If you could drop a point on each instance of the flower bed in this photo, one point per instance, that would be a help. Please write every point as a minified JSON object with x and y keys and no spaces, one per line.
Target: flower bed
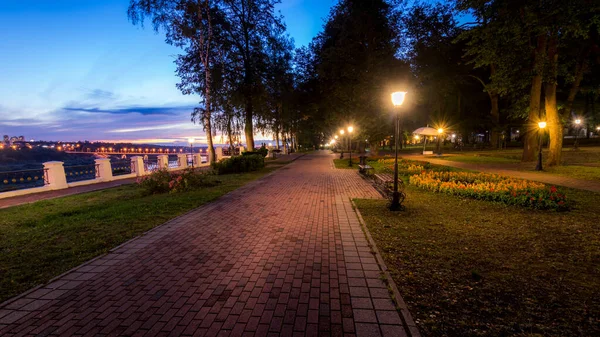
{"x":492,"y":187}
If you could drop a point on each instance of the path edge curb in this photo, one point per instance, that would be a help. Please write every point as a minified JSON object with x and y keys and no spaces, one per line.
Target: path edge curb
{"x":400,"y":304}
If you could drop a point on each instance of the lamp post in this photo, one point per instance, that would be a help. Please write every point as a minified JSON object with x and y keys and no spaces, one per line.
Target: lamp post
{"x":440,"y":132}
{"x":342,"y":140}
{"x":397,"y":100}
{"x":350,"y":130}
{"x":577,"y":125}
{"x":542,"y":126}
{"x":191,"y":141}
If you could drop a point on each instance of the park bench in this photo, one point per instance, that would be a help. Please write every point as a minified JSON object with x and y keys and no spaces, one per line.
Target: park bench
{"x":363,"y":167}
{"x":384,"y":182}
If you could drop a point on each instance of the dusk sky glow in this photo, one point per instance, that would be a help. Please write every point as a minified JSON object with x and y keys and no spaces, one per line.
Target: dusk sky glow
{"x":79,"y":70}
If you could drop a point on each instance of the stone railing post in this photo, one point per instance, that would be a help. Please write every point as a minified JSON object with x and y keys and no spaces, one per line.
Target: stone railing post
{"x":197,"y":158}
{"x":103,"y":169}
{"x":219,"y":153}
{"x":163,"y":161}
{"x":56,"y":179}
{"x":182,"y":160}
{"x":138,"y":165}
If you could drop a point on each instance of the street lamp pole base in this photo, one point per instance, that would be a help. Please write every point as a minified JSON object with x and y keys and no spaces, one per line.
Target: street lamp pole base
{"x":396,"y":205}
{"x":342,"y":155}
{"x":539,"y":167}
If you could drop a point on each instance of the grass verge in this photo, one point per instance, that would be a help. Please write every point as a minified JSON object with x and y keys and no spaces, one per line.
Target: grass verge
{"x":474,"y":268}
{"x":343,"y":163}
{"x":41,"y":240}
{"x":480,"y":159}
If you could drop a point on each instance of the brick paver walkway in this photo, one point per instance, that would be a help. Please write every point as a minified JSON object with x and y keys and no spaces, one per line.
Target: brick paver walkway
{"x":282,"y":256}
{"x":505,"y":170}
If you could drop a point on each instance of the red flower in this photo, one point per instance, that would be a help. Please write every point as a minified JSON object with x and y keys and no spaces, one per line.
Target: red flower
{"x":552,"y":189}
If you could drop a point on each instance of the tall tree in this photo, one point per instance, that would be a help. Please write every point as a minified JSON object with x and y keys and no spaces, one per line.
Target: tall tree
{"x":249,"y":26}
{"x":356,"y":67}
{"x":542,"y":28}
{"x":190,"y":25}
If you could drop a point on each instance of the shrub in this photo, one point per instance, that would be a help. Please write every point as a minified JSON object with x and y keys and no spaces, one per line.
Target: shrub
{"x":263,"y":151}
{"x":163,"y":181}
{"x":156,"y":182}
{"x":239,"y":164}
{"x":493,"y":187}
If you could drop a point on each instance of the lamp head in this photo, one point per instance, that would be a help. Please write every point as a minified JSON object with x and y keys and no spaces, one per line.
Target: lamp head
{"x":336,"y":136}
{"x":578,"y":121}
{"x":342,"y":131}
{"x":542,"y":125}
{"x":350,"y":129}
{"x":191,"y":140}
{"x":440,"y":131}
{"x":398,"y":98}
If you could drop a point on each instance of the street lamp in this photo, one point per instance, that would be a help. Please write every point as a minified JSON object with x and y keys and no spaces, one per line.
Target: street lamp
{"x":350,"y":130}
{"x":342,"y":145}
{"x":577,"y":125}
{"x":440,"y":131}
{"x":397,"y":100}
{"x":542,"y":126}
{"x":191,"y":141}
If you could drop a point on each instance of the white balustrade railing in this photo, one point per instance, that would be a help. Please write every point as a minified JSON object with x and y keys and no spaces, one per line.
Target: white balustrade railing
{"x":56,"y":176}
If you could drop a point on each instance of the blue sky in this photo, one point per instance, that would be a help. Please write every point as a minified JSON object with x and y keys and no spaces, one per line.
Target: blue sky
{"x":79,"y":70}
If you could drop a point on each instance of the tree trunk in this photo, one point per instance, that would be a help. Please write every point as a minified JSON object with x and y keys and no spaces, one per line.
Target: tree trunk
{"x":555,"y":127}
{"x":579,"y":71}
{"x":530,"y":143}
{"x":495,"y":136}
{"x":207,"y":118}
{"x":375,"y":148}
{"x":248,"y":129}
{"x":229,"y":134}
{"x":495,"y":112}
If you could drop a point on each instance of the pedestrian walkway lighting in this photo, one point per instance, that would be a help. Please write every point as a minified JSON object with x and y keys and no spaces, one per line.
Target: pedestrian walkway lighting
{"x":577,"y":126}
{"x":342,"y":145}
{"x":440,"y":132}
{"x":191,"y":141}
{"x":397,"y":100}
{"x":350,"y":130}
{"x":541,"y":126}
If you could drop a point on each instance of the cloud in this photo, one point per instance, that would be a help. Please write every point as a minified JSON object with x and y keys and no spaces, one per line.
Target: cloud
{"x":150,"y":128}
{"x":100,"y":94}
{"x":145,"y":111}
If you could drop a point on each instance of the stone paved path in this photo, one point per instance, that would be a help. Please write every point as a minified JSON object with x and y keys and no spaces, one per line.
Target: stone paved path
{"x":547,"y":178}
{"x":282,"y":256}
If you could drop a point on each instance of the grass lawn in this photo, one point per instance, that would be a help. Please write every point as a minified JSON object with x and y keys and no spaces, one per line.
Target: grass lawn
{"x":476,"y":268}
{"x":478,"y":159}
{"x":575,"y":171}
{"x":343,"y":163}
{"x":41,"y":240}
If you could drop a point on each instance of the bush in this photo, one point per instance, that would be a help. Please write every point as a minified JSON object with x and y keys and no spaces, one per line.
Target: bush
{"x":163,"y":181}
{"x":239,"y":164}
{"x":493,"y":187}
